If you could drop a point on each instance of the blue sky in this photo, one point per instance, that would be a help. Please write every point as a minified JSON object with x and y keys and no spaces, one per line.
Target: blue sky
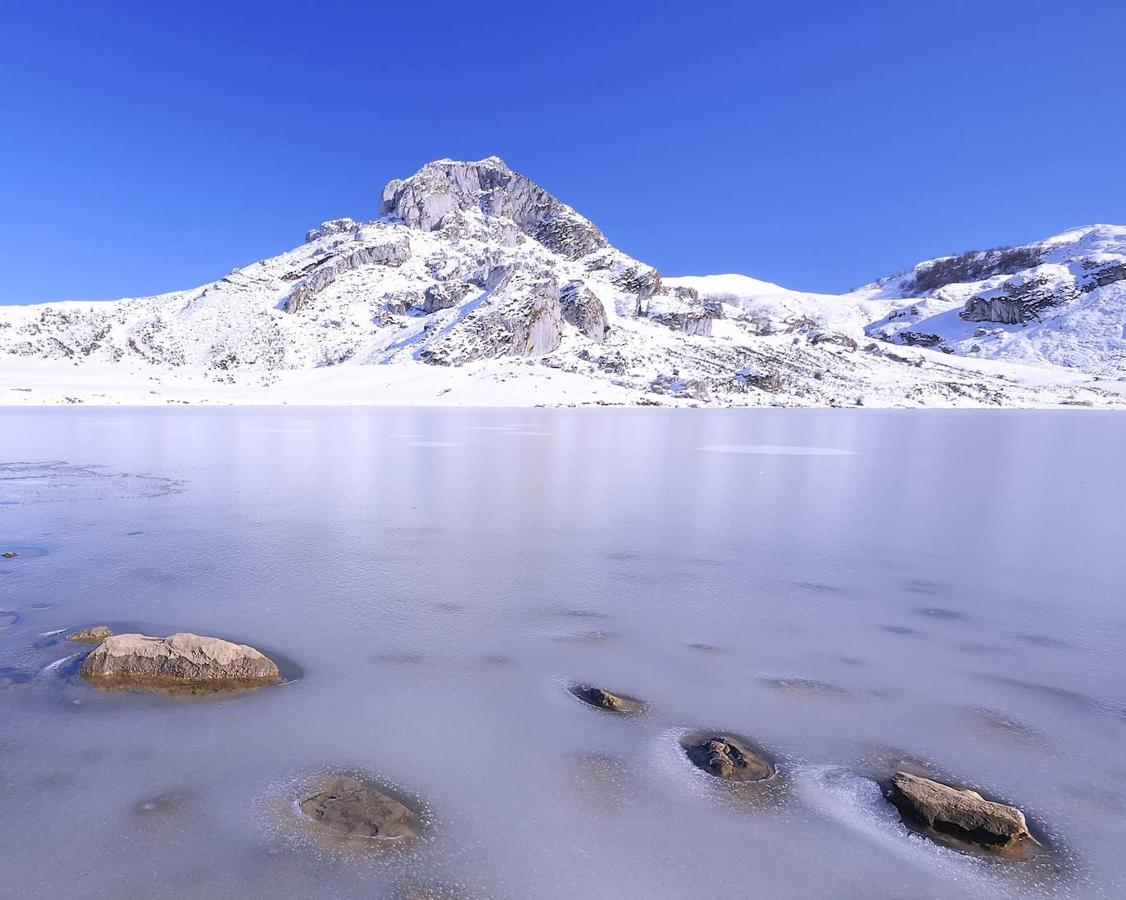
{"x":150,"y":147}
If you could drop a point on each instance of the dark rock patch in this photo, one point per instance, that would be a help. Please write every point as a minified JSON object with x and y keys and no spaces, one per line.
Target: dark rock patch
{"x":728,"y":757}
{"x":603,"y":699}
{"x":9,"y":554}
{"x":352,"y":813}
{"x":92,"y":635}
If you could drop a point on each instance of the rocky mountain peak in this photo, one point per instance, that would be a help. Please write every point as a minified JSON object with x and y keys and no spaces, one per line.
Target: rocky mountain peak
{"x":432,"y":198}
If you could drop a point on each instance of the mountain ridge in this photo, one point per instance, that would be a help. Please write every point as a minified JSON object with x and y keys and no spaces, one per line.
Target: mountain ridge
{"x":473,"y":267}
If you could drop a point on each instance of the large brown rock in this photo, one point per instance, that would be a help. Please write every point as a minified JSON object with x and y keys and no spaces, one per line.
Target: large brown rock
{"x":604,"y":699}
{"x":962,"y":814}
{"x":728,"y":757}
{"x":180,"y":661}
{"x":354,"y":812}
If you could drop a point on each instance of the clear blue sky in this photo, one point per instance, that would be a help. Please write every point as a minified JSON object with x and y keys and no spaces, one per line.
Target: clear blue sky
{"x":146,"y":147}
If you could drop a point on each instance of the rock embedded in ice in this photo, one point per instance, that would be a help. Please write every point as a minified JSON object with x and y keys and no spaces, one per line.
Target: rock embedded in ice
{"x":728,"y":757}
{"x":603,"y":699}
{"x":93,"y":635}
{"x":961,"y":814}
{"x":356,"y":813}
{"x":9,"y":554}
{"x":181,"y":661}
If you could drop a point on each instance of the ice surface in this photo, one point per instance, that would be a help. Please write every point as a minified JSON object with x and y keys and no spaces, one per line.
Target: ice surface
{"x":951,"y":591}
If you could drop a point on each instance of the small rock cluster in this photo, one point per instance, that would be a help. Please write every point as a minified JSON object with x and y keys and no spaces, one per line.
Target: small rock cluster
{"x":351,"y":813}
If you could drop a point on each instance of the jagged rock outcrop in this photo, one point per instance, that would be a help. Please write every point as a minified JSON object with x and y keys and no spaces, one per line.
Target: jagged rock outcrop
{"x":584,"y":310}
{"x":525,"y":319}
{"x":392,"y":253}
{"x":445,"y":295}
{"x":331,"y":227}
{"x":1003,"y":309}
{"x":427,"y":199}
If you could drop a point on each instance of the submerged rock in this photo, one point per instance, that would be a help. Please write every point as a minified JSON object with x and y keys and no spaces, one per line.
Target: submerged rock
{"x":179,"y":662}
{"x":961,"y":814}
{"x":728,"y":757}
{"x":353,"y":811}
{"x":603,"y":699}
{"x":93,"y":635}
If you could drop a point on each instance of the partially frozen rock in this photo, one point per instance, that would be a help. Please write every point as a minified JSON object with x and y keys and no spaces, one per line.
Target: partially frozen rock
{"x":959,"y":813}
{"x":182,"y":660}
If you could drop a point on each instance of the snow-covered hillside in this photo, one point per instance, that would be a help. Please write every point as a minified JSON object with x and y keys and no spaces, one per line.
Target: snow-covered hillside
{"x":475,"y":285}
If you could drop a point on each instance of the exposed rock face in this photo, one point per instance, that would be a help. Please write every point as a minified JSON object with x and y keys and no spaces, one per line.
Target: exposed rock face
{"x":973,"y":266}
{"x":1006,"y":310}
{"x":445,"y":295}
{"x":728,"y":757}
{"x":1022,"y":299}
{"x":526,"y":321}
{"x":331,"y":227}
{"x":93,"y":635}
{"x":391,"y":253}
{"x":965,"y":815}
{"x":603,"y":699}
{"x":357,"y":813}
{"x":427,"y":199}
{"x":584,"y":310}
{"x":185,"y":661}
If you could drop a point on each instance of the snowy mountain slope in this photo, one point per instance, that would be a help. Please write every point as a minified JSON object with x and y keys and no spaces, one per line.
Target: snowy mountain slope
{"x":1058,"y":302}
{"x":474,"y":284}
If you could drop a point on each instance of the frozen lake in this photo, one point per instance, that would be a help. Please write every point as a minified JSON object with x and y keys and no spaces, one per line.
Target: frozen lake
{"x":848,"y":588}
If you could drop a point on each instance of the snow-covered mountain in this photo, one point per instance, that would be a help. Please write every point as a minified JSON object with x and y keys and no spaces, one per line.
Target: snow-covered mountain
{"x":473,"y":284}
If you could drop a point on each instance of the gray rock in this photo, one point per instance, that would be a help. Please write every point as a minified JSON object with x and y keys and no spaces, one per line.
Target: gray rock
{"x":965,"y":815}
{"x":445,"y":295}
{"x":390,"y":253}
{"x":1005,"y":310}
{"x":428,"y":198}
{"x":584,"y":310}
{"x":180,"y":661}
{"x":331,"y":227}
{"x":526,"y":320}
